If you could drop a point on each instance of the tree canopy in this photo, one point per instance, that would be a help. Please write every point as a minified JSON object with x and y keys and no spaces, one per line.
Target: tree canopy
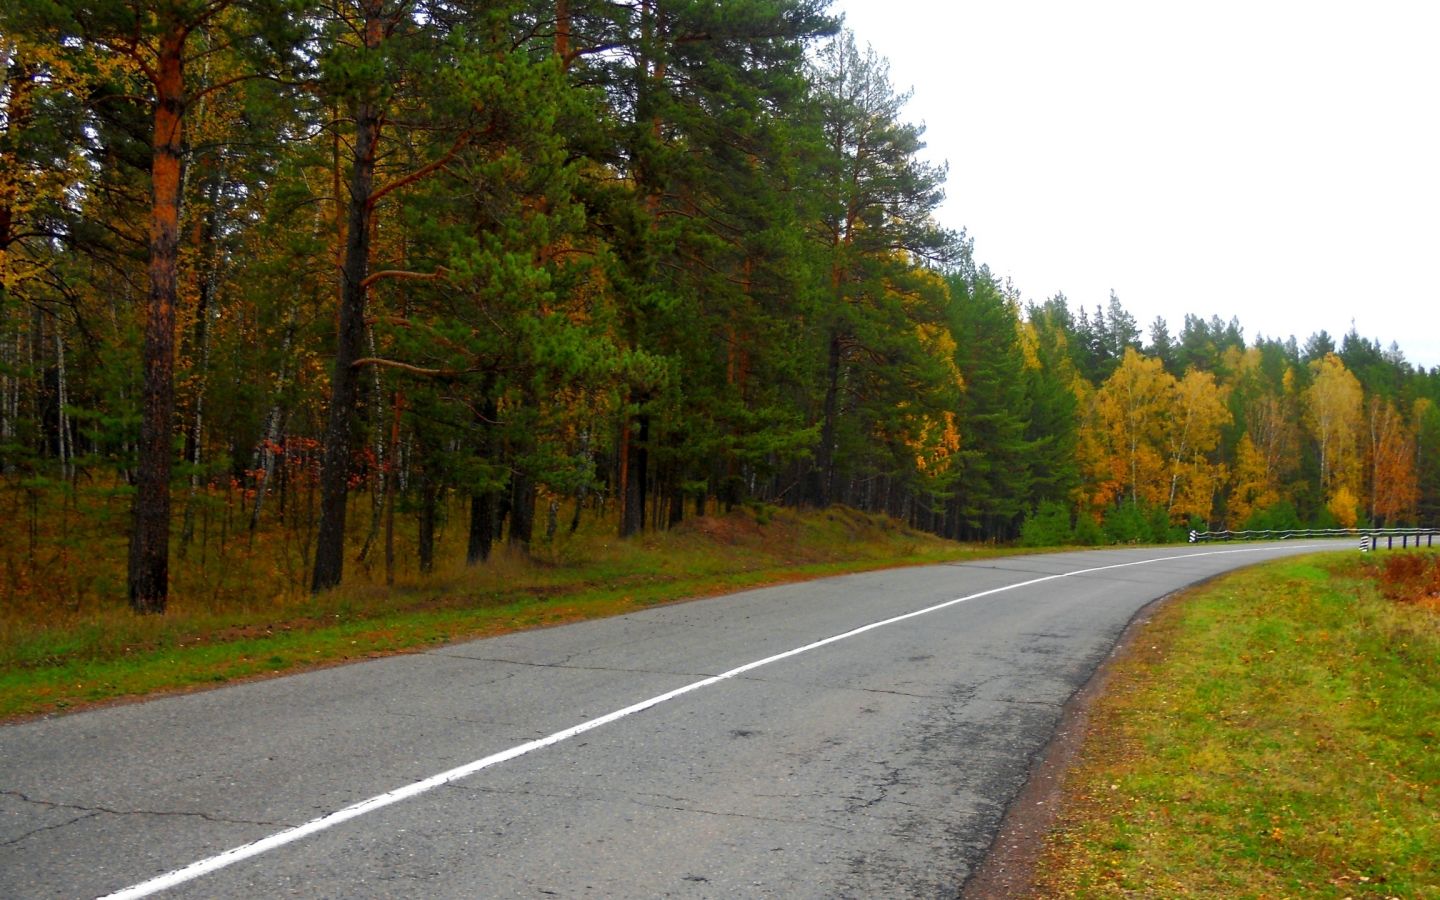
{"x":375,"y":259}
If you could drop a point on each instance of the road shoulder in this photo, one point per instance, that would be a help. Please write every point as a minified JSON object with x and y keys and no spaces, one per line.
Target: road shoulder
{"x":1008,"y":869}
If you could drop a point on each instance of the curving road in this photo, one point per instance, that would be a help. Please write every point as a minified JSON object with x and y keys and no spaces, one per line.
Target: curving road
{"x":857,"y":736}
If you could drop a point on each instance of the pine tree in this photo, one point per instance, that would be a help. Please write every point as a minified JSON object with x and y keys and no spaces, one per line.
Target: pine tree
{"x":876,"y":227}
{"x":155,"y":44}
{"x":1162,"y":346}
{"x":993,"y":482}
{"x":1053,"y":399}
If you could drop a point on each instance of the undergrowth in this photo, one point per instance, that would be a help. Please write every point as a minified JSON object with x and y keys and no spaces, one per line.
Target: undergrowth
{"x":238,"y":607}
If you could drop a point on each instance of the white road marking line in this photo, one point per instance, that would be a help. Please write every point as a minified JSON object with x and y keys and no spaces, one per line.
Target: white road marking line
{"x":380,"y":801}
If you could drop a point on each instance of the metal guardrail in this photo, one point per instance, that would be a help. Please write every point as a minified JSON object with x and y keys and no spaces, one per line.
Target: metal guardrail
{"x":1272,"y":534}
{"x":1370,"y":538}
{"x":1409,"y":537}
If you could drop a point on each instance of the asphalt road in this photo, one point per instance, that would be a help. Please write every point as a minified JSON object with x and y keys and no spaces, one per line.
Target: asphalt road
{"x":877,"y":764}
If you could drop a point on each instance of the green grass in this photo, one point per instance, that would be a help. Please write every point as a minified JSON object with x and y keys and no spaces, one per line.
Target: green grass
{"x":1271,"y":735}
{"x":56,"y":656}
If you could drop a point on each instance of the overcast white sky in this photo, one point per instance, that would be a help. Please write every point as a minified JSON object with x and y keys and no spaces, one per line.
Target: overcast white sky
{"x":1275,"y":161}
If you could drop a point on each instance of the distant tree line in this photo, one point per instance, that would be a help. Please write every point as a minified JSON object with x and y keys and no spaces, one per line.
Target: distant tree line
{"x":546,"y":257}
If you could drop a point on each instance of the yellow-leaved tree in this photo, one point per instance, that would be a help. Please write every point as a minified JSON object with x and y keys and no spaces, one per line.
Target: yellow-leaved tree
{"x":1334,"y":417}
{"x":1344,"y":507}
{"x":1129,"y":429}
{"x":1195,"y":421}
{"x":1268,"y":451}
{"x":932,"y":434}
{"x":1252,"y":488}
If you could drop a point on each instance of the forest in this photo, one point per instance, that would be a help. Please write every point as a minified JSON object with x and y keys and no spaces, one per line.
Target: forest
{"x":353,"y":274}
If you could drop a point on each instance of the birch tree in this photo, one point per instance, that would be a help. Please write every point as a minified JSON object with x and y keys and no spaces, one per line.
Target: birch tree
{"x":1334,"y":416}
{"x":1195,"y":423}
{"x":1131,"y":423}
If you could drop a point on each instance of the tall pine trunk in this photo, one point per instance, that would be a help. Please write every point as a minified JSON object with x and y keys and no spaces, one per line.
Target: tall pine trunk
{"x":483,"y":504}
{"x":482,"y":528}
{"x":522,"y":509}
{"x":635,"y":467}
{"x":676,"y":512}
{"x":823,"y":491}
{"x":149,"y":575}
{"x":350,"y":337}
{"x":429,"y":514}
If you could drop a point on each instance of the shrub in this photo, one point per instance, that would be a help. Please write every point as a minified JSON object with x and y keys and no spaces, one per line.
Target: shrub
{"x":1161,"y":531}
{"x":1126,"y":524}
{"x":1047,"y":526}
{"x":1087,"y":530}
{"x":1411,"y":577}
{"x":1280,"y":517}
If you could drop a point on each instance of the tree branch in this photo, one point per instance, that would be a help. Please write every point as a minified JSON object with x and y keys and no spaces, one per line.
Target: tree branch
{"x":579,"y":52}
{"x":423,"y":171}
{"x":440,"y":272}
{"x":132,"y":52}
{"x":407,"y":367}
{"x":222,"y":85}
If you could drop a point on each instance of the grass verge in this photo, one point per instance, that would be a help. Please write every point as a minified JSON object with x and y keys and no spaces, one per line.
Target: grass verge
{"x":1273,"y":734}
{"x":55,"y":659}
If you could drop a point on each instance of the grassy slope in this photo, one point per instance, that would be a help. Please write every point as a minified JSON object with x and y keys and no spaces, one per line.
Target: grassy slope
{"x":1271,"y":735}
{"x":56,"y":657}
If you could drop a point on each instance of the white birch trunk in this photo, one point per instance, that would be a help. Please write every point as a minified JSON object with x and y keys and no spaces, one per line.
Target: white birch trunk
{"x":62,"y":399}
{"x":274,"y":425}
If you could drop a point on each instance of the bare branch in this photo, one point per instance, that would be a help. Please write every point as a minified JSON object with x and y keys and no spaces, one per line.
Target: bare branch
{"x":407,"y":367}
{"x":440,"y":272}
{"x":423,"y":171}
{"x":222,"y":85}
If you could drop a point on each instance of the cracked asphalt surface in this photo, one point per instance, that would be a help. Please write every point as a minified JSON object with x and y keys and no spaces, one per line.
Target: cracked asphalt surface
{"x":878,"y":765}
